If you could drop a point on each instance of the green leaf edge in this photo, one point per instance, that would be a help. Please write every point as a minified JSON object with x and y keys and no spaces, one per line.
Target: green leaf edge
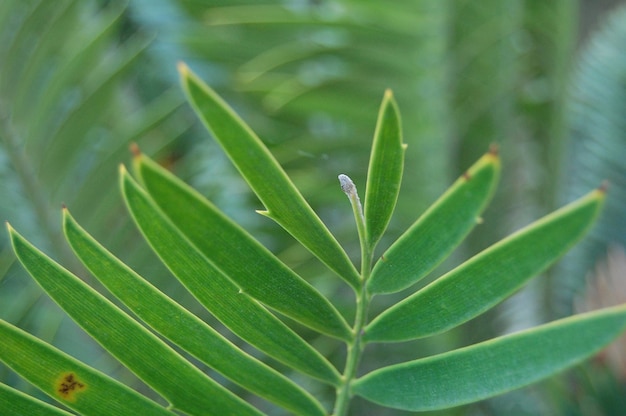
{"x":183,"y":328}
{"x":384,"y":173}
{"x":468,"y":379}
{"x":16,"y":402}
{"x":252,"y":324}
{"x":276,"y":286}
{"x":284,"y":203}
{"x":423,"y":240}
{"x":127,"y":340}
{"x":44,"y":366}
{"x":414,"y":316}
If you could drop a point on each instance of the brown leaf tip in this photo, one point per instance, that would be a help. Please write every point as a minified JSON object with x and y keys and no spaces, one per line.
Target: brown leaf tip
{"x":466,"y":175}
{"x":604,"y":187}
{"x":494,"y":149}
{"x":134,"y":149}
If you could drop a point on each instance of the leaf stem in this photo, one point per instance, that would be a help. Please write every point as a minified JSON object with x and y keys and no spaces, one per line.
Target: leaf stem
{"x":347,"y":186}
{"x":355,"y":346}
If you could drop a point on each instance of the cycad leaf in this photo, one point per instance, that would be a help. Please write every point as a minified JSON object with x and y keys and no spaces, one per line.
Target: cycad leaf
{"x":385,"y":170}
{"x":489,"y":277}
{"x":185,"y":329}
{"x":283,"y":201}
{"x":226,"y":301}
{"x":493,"y":367}
{"x":232,"y":250}
{"x":142,"y":352}
{"x":439,"y":230}
{"x":60,"y":144}
{"x":14,"y":402}
{"x":67,"y":380}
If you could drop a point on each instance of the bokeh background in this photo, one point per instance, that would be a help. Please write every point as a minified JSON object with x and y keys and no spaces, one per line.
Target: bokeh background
{"x":545,"y":80}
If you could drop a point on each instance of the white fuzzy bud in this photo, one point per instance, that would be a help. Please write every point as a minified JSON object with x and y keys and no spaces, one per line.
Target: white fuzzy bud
{"x":347,"y":185}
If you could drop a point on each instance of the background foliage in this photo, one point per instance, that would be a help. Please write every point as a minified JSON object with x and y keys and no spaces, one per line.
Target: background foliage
{"x":79,"y":81}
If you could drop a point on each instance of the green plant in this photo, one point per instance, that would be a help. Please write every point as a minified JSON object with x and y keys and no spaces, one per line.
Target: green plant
{"x":596,"y":127}
{"x":69,"y":107}
{"x":239,"y":282}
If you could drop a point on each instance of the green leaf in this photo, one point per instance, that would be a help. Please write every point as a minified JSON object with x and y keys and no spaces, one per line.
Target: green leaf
{"x":439,"y":230}
{"x":283,"y":201}
{"x":67,"y":380}
{"x":237,"y":254}
{"x":487,"y":278}
{"x":147,"y":356}
{"x":223,"y":298}
{"x":385,"y":170}
{"x":14,"y":402}
{"x":492,"y":367}
{"x":183,"y":328}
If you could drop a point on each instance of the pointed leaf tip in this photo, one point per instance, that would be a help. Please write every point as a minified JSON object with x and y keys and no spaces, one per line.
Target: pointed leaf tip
{"x":486,"y":279}
{"x":183,"y":69}
{"x":385,"y":170}
{"x":438,"y":230}
{"x":266,"y":177}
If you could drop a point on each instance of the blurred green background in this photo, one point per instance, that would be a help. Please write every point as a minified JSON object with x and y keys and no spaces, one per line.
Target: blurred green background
{"x":545,"y":80}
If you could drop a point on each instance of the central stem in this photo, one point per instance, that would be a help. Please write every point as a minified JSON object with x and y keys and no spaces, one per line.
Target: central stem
{"x":355,"y":347}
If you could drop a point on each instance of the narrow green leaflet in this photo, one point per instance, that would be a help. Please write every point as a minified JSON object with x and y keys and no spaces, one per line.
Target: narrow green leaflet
{"x":14,"y":402}
{"x":183,"y":328}
{"x":237,"y":254}
{"x":225,"y":300}
{"x":67,"y":380}
{"x":147,"y":356}
{"x":283,"y":201}
{"x":492,"y":367}
{"x":385,"y":170}
{"x":439,"y":230}
{"x":489,"y":277}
